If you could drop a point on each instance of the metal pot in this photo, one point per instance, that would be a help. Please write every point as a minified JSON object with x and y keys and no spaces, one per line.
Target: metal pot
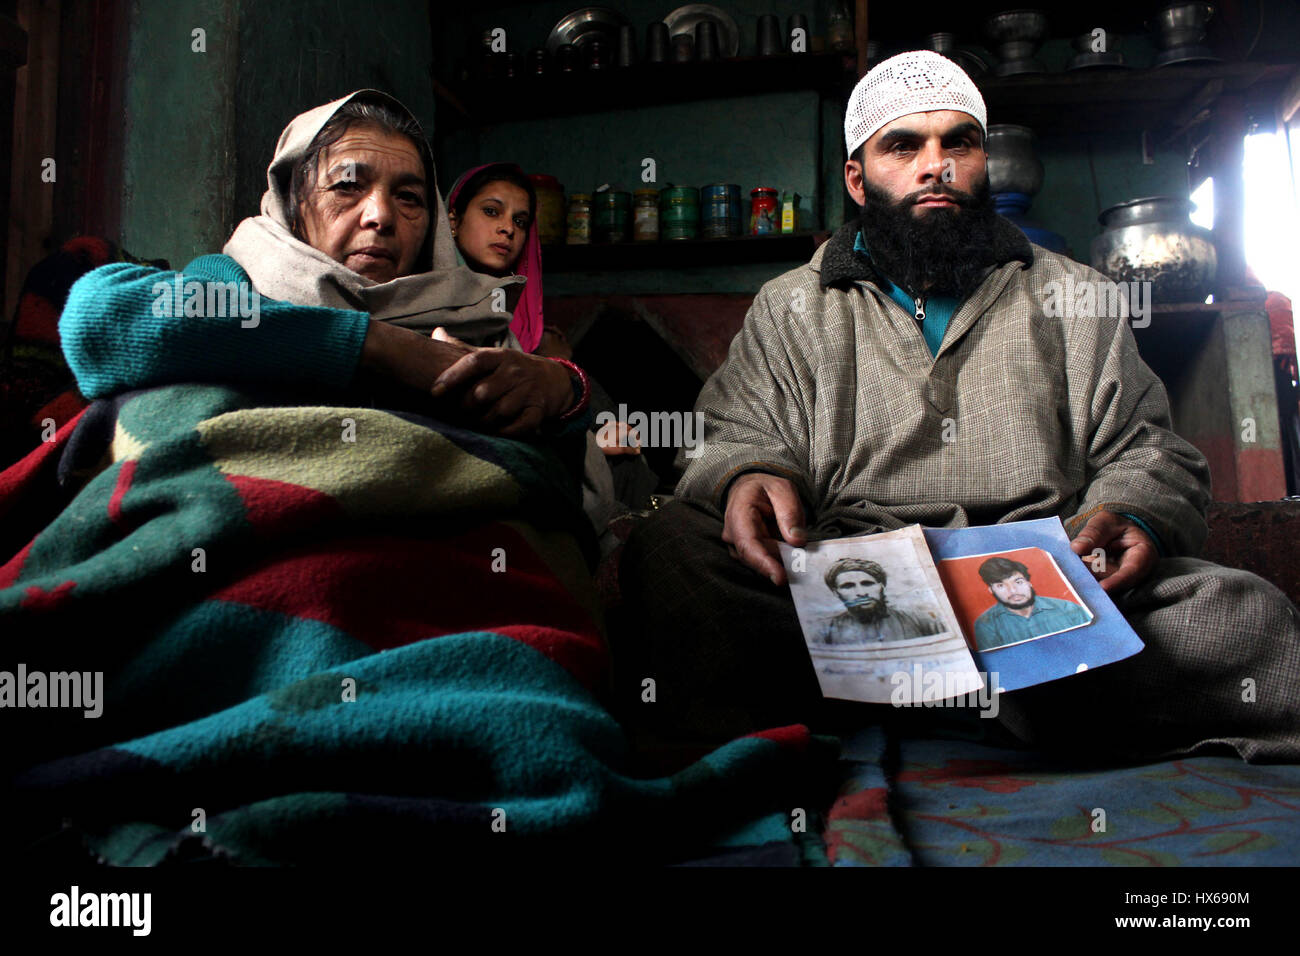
{"x":943,"y":43}
{"x":1152,"y":239}
{"x":1014,"y":167}
{"x":1181,"y":24}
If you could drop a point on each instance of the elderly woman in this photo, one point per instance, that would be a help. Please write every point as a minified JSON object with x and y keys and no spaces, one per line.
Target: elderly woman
{"x":300,"y":617}
{"x":356,"y":272}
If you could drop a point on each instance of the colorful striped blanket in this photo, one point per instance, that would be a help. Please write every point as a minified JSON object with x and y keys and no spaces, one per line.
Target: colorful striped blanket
{"x":324,"y":631}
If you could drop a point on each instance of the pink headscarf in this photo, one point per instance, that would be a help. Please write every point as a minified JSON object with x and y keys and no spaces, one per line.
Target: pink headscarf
{"x":527,"y":322}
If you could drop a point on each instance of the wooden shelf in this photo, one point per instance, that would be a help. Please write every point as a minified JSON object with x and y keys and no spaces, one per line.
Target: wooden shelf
{"x":680,"y":253}
{"x":648,"y":84}
{"x":1246,"y":303}
{"x":1160,"y":100}
{"x":1178,"y":329}
{"x":899,"y":23}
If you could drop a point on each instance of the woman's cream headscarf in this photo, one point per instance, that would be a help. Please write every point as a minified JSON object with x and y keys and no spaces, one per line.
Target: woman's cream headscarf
{"x":441,"y":293}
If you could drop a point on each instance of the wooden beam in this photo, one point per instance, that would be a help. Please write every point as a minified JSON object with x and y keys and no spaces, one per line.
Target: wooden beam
{"x":13,"y":43}
{"x":450,"y":98}
{"x":1290,"y":102}
{"x":1196,"y":110}
{"x":1230,"y":191}
{"x":13,"y":53}
{"x":860,"y":34}
{"x":31,"y":210}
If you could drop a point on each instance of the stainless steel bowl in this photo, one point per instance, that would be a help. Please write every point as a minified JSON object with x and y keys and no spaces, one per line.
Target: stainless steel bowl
{"x":1017,"y":25}
{"x":1181,"y":24}
{"x":1082,"y":42}
{"x":1017,"y":35}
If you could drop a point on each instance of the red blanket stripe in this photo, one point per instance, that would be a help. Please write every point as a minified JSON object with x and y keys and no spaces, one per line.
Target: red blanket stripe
{"x":384,"y":590}
{"x":123,"y":485}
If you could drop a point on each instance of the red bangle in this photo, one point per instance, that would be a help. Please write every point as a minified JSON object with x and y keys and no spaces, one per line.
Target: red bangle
{"x":584,"y":399}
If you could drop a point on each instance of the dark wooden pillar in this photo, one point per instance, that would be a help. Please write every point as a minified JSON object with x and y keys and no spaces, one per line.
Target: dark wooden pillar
{"x":13,"y":54}
{"x":860,"y":34}
{"x":1230,"y":193}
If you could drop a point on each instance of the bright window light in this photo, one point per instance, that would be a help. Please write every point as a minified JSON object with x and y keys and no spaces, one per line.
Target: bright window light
{"x":1203,"y":203}
{"x":1272,"y":237}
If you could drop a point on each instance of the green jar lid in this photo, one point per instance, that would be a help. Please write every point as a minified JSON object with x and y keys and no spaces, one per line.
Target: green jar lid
{"x":687,"y":195}
{"x":611,"y":198}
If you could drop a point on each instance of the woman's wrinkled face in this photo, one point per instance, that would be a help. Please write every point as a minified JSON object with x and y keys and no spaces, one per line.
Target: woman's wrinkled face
{"x":492,"y":233}
{"x":370,"y":208}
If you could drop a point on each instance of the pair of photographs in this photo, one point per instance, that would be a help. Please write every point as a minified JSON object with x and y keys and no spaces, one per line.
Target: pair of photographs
{"x":1011,"y":599}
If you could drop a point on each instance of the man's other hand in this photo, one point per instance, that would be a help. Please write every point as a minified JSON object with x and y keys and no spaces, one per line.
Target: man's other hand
{"x":759,"y":507}
{"x":1130,"y":552}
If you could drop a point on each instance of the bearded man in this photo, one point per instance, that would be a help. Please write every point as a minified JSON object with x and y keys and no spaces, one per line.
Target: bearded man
{"x":867,"y":617}
{"x":1020,"y":613}
{"x":909,"y":374}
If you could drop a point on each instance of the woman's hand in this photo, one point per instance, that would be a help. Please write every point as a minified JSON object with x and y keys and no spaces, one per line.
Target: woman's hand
{"x":507,"y":392}
{"x":500,"y":390}
{"x":408,"y":357}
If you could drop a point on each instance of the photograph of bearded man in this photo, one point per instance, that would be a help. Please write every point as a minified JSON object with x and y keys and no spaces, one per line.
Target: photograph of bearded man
{"x":867,"y":617}
{"x":1020,"y":614}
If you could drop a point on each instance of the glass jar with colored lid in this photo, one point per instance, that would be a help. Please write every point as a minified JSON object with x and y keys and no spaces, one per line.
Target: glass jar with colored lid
{"x":763,"y":215}
{"x":579,"y":221}
{"x":611,"y":217}
{"x":719,"y":210}
{"x":679,"y":212}
{"x":550,"y":208}
{"x":645,"y":216}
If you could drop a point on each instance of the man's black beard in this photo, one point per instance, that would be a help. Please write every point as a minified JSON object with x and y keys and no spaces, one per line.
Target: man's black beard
{"x":937,"y":251}
{"x":870,"y":613}
{"x":1033,"y":596}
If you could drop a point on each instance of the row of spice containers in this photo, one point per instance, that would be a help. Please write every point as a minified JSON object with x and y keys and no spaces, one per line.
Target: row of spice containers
{"x":607,"y":216}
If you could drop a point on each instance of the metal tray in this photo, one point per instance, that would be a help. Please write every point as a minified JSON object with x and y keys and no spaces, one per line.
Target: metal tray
{"x":683,"y":19}
{"x":581,"y":26}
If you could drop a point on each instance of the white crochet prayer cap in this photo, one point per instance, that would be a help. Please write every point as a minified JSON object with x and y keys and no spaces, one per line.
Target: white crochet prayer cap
{"x":914,"y":82}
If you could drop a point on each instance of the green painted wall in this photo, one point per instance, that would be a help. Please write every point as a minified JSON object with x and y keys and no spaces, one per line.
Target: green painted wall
{"x":691,"y":144}
{"x":178,"y":182}
{"x":293,"y":57}
{"x":200,"y":128}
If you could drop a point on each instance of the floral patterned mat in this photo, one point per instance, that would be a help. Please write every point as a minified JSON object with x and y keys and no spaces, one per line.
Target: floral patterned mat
{"x":954,"y":802}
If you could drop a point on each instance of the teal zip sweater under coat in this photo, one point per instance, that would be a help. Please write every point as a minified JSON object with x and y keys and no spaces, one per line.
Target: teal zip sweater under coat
{"x":939,"y":309}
